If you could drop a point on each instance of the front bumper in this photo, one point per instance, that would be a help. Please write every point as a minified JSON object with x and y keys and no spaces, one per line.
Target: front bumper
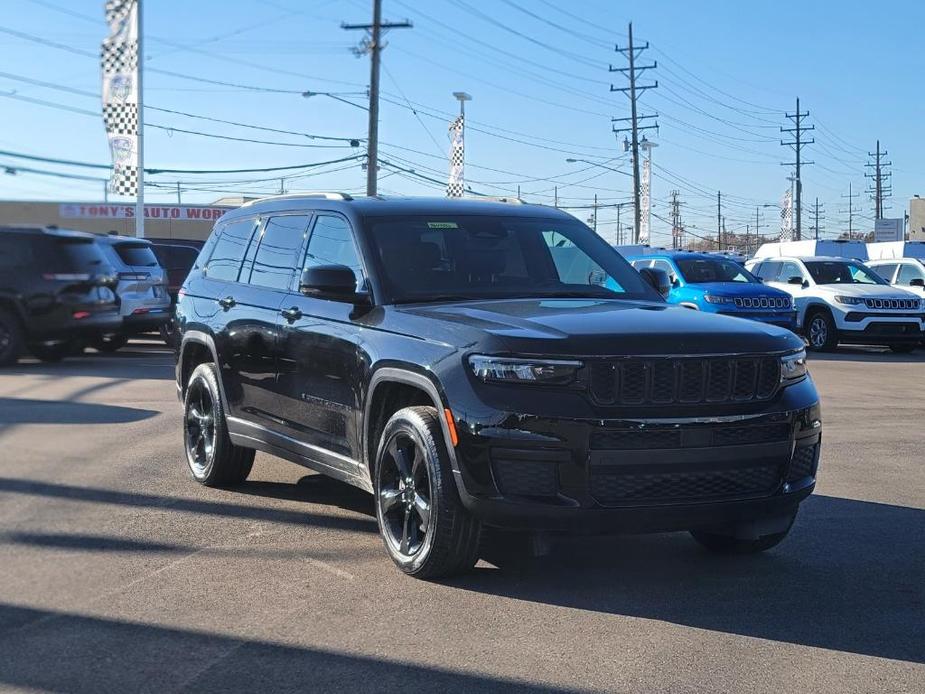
{"x":782,"y":319}
{"x":863,"y":326}
{"x":627,"y":474}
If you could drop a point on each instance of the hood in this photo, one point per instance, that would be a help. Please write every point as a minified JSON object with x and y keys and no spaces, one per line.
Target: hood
{"x":598,"y":327}
{"x":733,"y":289}
{"x":865,"y":291}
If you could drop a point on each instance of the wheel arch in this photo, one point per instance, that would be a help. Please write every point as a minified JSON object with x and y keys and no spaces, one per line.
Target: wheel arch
{"x":392,"y":388}
{"x":196,"y":348}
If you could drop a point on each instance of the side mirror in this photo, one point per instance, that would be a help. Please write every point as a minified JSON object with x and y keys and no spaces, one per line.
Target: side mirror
{"x":329,"y":282}
{"x":657,"y":279}
{"x":675,"y":282}
{"x":917,"y":282}
{"x":795,"y":280}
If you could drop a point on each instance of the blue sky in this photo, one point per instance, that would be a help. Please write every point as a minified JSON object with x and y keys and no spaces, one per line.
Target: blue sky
{"x":537,"y":71}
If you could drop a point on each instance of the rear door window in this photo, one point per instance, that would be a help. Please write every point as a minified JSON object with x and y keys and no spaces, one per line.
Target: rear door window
{"x":229,"y":249}
{"x":16,"y":252}
{"x":278,"y":252}
{"x":136,"y":254}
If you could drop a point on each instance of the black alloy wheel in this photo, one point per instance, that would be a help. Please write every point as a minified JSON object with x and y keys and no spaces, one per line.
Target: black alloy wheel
{"x":404,"y":494}
{"x":199,"y":428}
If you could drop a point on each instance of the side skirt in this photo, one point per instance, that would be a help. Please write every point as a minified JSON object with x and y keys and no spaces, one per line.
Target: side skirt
{"x":249,"y":435}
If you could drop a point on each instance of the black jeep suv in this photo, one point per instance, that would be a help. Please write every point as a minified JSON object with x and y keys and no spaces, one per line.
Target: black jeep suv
{"x":476,"y":363}
{"x":56,"y":291}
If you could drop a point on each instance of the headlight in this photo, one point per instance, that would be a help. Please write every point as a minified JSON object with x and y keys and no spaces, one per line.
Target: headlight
{"x":523,"y":370}
{"x":712,"y":299}
{"x":849,"y":300}
{"x":793,"y":367}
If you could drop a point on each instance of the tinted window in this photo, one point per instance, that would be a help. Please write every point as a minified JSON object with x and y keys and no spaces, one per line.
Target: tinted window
{"x":885,"y":271}
{"x":15,"y":251}
{"x":175,"y":257}
{"x":331,"y":243}
{"x":63,"y":255}
{"x":278,"y":252}
{"x":483,"y":256}
{"x":837,"y":272}
{"x":229,"y":250}
{"x":789,"y":271}
{"x":909,"y":272}
{"x":768,"y":271}
{"x":700,"y":270}
{"x":136,"y":254}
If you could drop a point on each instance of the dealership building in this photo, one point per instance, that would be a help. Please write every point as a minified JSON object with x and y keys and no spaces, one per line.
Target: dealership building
{"x":161,"y":221}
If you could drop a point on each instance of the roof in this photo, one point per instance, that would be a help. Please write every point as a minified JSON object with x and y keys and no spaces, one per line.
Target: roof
{"x":49,"y":230}
{"x":385,"y":206}
{"x":806,"y":259}
{"x":670,"y":253}
{"x":112,"y":239}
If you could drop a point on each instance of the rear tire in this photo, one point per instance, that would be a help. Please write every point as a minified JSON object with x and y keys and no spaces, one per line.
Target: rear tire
{"x":211,"y":457}
{"x":729,"y":544}
{"x":11,"y":338}
{"x":51,"y":354}
{"x":821,"y":332}
{"x":110,"y":343}
{"x":425,"y":528}
{"x":903,"y":348}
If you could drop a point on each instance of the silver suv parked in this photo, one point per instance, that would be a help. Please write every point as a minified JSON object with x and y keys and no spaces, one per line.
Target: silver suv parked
{"x":142,"y":289}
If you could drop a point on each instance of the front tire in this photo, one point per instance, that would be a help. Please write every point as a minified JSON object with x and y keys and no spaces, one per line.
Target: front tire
{"x":821,"y":332}
{"x":425,"y":528}
{"x":11,"y":338}
{"x":212,"y":459}
{"x":721,"y":543}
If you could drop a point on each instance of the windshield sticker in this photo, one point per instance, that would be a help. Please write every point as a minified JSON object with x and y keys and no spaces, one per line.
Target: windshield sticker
{"x":442,"y":225}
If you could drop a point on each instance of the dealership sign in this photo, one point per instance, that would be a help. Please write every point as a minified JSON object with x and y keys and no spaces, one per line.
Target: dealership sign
{"x":173,"y":213}
{"x":889,"y":230}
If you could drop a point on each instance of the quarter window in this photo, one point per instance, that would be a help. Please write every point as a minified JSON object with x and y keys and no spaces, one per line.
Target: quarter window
{"x":229,"y":250}
{"x":278,"y":253}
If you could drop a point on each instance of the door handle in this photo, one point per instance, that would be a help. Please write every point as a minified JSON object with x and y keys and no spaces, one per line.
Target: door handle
{"x":291,"y":314}
{"x":227,"y":302}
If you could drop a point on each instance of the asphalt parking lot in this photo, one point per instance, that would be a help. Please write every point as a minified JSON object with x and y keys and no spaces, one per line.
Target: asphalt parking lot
{"x":119,"y":573}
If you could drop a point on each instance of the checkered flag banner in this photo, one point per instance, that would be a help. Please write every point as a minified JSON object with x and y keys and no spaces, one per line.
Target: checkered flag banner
{"x":786,"y":217}
{"x":456,"y":184}
{"x":119,"y":66}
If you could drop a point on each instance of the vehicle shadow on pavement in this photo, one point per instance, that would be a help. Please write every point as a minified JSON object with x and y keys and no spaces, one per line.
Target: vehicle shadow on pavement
{"x":132,"y":365}
{"x":314,"y":489}
{"x":46,"y":650}
{"x":96,"y":495}
{"x":27,"y":411}
{"x":850,"y":577}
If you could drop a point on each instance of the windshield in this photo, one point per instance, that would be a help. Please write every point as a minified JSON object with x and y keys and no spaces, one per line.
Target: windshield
{"x":841,"y":272}
{"x":700,"y":270}
{"x":435,"y":258}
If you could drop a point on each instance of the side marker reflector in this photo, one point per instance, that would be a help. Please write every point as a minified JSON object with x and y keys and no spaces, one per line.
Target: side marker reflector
{"x":451,"y":425}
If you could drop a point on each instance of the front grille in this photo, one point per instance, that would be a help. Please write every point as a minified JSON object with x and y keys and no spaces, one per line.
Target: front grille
{"x":763,"y":302}
{"x":898,"y":304}
{"x":612,"y":489}
{"x":803,"y":463}
{"x":700,"y":436}
{"x":685,"y":380}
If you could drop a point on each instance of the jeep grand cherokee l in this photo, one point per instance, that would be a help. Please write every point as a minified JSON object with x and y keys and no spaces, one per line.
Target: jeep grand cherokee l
{"x":56,"y":291}
{"x":477,"y":364}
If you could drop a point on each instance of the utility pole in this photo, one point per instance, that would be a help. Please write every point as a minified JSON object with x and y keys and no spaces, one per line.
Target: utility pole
{"x":719,"y":220}
{"x":675,"y":220}
{"x":878,"y":190}
{"x":555,"y":196}
{"x":595,"y":213}
{"x":851,"y":196}
{"x":179,"y":201}
{"x":817,"y":210}
{"x":798,"y":144}
{"x":372,"y":44}
{"x":634,"y":90}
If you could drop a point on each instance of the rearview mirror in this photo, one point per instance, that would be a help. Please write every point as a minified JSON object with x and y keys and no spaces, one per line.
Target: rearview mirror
{"x":917,"y":282}
{"x":329,"y":282}
{"x":657,"y":279}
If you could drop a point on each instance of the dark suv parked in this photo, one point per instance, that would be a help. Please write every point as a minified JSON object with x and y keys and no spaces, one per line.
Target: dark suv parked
{"x":177,"y":257}
{"x":480,"y":364}
{"x":56,"y":290}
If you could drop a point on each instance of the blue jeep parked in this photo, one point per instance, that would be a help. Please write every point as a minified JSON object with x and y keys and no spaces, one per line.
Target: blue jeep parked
{"x":716,"y":284}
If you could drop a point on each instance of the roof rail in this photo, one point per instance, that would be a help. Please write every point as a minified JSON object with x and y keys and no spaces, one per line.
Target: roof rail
{"x":325,"y":195}
{"x":509,"y":201}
